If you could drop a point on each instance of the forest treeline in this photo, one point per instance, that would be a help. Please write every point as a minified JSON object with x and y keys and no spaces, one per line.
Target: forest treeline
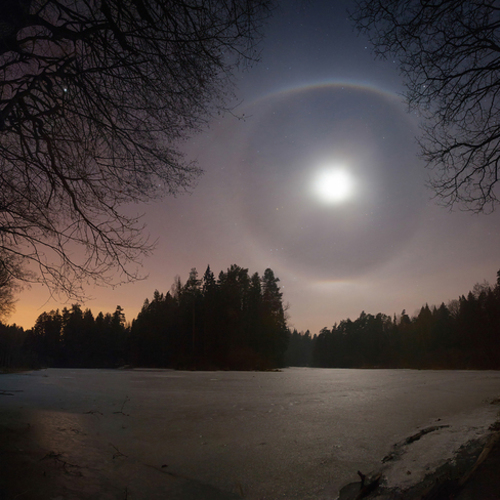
{"x":235,"y":321}
{"x":238,"y":321}
{"x":71,"y":338}
{"x":465,"y":334}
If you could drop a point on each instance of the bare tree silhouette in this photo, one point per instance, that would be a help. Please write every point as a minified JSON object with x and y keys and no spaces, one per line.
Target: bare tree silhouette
{"x":449,"y":55}
{"x":95,"y":97}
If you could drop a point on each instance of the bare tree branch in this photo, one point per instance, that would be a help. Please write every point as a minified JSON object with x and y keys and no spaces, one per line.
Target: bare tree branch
{"x":95,"y":98}
{"x":449,"y":56}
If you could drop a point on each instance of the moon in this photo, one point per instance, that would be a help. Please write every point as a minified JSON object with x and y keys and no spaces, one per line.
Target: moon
{"x":333,"y":185}
{"x":292,"y":207}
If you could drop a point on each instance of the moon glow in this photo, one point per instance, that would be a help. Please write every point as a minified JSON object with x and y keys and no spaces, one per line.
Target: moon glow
{"x":334,"y":185}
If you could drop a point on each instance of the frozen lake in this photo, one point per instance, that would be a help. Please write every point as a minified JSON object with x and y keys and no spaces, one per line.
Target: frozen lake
{"x":297,"y":434}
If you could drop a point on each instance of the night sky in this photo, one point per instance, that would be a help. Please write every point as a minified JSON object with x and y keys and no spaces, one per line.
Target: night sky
{"x":316,"y":175}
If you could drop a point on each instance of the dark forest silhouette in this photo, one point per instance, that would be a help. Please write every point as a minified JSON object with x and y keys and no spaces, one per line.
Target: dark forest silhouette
{"x":463,"y":335}
{"x":234,"y":322}
{"x":237,"y":321}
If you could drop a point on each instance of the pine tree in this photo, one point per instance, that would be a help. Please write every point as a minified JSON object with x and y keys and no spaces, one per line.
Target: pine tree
{"x":273,"y":319}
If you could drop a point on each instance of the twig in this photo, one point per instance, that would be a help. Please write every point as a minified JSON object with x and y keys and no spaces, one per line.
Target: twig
{"x":51,"y":454}
{"x":123,"y":405}
{"x":368,"y":484}
{"x":57,"y":458}
{"x":92,"y":412}
{"x":482,"y":457}
{"x":118,"y":452}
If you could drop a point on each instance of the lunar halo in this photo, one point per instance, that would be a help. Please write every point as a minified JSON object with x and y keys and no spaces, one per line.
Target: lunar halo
{"x":319,"y":172}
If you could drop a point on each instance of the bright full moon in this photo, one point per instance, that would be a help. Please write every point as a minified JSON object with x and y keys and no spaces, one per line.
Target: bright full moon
{"x":333,"y":185}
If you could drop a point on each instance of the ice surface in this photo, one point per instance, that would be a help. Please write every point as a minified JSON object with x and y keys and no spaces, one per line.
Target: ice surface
{"x":296,"y":434}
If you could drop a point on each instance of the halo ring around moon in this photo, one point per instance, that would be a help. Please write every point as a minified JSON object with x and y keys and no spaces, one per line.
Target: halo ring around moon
{"x":290,"y":133}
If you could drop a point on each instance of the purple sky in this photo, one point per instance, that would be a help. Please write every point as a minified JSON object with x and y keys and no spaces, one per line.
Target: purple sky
{"x":317,"y":102}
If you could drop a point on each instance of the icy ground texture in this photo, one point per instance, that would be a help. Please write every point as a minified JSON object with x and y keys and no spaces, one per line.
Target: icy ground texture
{"x":298,"y":434}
